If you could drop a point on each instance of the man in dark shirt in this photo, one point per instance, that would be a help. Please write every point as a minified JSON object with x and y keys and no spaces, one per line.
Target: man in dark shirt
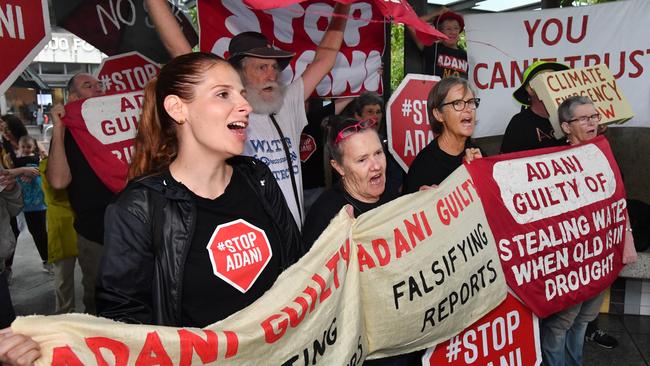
{"x":531,"y":128}
{"x":68,"y":169}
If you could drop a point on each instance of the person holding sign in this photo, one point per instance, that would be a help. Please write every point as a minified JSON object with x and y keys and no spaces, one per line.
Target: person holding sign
{"x":444,"y":58}
{"x":531,"y":128}
{"x":562,"y":334}
{"x":452,"y":113}
{"x":207,"y":207}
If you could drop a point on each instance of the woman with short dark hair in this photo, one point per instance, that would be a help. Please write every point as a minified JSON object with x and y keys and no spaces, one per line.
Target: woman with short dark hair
{"x":452,"y":113}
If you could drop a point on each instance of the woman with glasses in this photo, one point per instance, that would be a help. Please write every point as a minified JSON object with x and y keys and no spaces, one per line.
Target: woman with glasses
{"x":452,"y":113}
{"x":357,"y":155}
{"x":563,"y":333}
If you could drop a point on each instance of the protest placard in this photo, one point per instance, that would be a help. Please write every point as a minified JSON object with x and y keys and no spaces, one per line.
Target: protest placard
{"x":595,"y":82}
{"x":508,"y":335}
{"x":300,"y":27}
{"x":105,"y":128}
{"x":558,"y":219}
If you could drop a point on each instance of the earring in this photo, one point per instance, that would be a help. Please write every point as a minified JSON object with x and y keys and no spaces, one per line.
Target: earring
{"x":181,"y":121}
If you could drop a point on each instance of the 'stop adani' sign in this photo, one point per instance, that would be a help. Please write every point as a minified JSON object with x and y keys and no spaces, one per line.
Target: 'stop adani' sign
{"x":25,"y":30}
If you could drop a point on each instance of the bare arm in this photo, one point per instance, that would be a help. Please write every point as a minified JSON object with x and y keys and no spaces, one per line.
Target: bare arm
{"x":327,"y":50}
{"x":58,"y":170}
{"x":169,"y":30}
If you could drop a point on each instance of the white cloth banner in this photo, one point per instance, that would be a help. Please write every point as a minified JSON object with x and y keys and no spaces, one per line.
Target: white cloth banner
{"x":501,"y":46}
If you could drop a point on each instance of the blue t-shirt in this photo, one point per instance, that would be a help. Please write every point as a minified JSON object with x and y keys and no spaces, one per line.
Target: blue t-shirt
{"x":33,"y":197}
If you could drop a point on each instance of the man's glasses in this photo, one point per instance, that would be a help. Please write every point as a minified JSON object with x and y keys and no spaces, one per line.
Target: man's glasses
{"x":351,"y":130}
{"x":459,"y":105}
{"x":594,"y":118}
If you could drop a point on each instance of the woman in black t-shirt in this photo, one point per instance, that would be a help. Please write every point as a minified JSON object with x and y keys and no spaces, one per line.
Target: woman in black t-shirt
{"x":452,"y":114}
{"x":203,"y":232}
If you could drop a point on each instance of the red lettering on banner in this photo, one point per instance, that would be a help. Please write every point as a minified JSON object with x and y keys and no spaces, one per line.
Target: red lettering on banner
{"x":607,"y":113}
{"x":119,"y":350}
{"x":382,"y":252}
{"x":232,"y":343}
{"x":365,"y":259}
{"x":153,"y":352}
{"x":276,"y":325}
{"x":64,"y":356}
{"x":207,"y":349}
{"x":453,"y":204}
{"x":550,"y":36}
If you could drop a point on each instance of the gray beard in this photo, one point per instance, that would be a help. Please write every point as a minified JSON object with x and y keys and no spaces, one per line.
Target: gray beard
{"x":262,"y":106}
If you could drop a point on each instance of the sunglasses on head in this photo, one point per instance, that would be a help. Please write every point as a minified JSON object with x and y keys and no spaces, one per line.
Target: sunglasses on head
{"x":351,"y":130}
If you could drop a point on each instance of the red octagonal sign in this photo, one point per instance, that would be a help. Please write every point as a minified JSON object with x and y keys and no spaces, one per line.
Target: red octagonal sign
{"x":407,"y":120}
{"x":24,"y":31}
{"x":127,"y":72}
{"x":239,"y":252}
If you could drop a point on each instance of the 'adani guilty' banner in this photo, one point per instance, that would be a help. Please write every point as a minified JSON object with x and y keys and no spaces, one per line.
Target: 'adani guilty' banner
{"x":501,"y":46}
{"x":558,"y":219}
{"x":403,"y":277}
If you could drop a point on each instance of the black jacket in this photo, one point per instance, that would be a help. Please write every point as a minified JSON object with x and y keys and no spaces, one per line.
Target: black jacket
{"x":148,"y":233}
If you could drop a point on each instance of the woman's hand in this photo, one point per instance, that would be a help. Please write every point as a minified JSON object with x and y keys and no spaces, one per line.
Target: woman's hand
{"x":472,"y":153}
{"x":426,"y":188}
{"x":29,"y":172}
{"x":17,"y":349}
{"x":7,"y":180}
{"x":629,"y":251}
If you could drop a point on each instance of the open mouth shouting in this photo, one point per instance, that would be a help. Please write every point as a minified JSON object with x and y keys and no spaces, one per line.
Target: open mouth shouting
{"x":238,"y":128}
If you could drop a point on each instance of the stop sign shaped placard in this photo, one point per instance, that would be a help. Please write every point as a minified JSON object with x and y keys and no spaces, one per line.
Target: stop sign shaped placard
{"x":24,"y":31}
{"x":127,"y":72}
{"x":407,"y":120}
{"x":508,"y":335}
{"x":239,"y":252}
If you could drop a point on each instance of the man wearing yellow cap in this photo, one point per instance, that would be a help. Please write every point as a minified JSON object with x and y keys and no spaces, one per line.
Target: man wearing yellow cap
{"x":531,"y":128}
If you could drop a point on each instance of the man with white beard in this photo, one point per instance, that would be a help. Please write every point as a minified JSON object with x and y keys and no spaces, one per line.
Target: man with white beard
{"x":278,"y":117}
{"x":259,"y":65}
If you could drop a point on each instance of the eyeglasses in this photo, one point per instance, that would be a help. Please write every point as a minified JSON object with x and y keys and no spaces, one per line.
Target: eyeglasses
{"x":351,"y":130}
{"x":583,"y":120}
{"x":460,"y":104}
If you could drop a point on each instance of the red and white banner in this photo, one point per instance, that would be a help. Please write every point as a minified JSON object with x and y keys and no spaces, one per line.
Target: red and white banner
{"x":407,"y":120}
{"x":300,"y":28}
{"x":127,"y":72}
{"x":508,"y":335}
{"x":558,"y":220}
{"x":502,"y":45}
{"x":24,"y":31}
{"x":105,"y":128}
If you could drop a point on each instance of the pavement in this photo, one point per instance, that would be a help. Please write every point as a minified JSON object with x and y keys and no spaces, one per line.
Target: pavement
{"x":32,"y":292}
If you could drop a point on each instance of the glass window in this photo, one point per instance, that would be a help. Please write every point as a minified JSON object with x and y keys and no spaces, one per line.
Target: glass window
{"x":52,"y":68}
{"x":72,"y":69}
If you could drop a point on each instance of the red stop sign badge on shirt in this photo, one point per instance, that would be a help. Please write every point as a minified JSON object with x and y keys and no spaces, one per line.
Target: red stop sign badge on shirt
{"x":239,"y":252}
{"x":307,"y":147}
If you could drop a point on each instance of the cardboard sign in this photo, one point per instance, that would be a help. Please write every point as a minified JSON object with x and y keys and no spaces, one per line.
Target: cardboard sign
{"x":300,"y":27}
{"x":399,"y":278}
{"x":407,"y":120}
{"x":558,"y":220}
{"x":105,"y":128}
{"x":595,"y":82}
{"x":24,"y":31}
{"x":508,"y":335}
{"x":239,"y":252}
